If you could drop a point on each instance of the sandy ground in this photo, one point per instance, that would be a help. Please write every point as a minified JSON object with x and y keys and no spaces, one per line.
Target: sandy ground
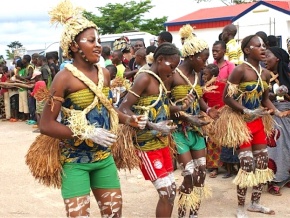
{"x":21,"y":196}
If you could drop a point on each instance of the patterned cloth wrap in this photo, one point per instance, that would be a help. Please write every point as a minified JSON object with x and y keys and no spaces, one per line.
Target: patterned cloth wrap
{"x":148,"y":140}
{"x":250,"y":96}
{"x":179,"y":92}
{"x":85,"y":151}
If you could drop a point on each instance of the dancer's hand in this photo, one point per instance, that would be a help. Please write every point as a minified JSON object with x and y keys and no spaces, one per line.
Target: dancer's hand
{"x":164,"y":127}
{"x":281,"y":113}
{"x":259,"y":112}
{"x":137,"y":121}
{"x":187,"y":102}
{"x":196,"y":120}
{"x":213,"y":112}
{"x":103,"y":137}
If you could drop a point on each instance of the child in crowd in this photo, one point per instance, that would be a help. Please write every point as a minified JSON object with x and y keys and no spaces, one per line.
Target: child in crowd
{"x":39,"y":103}
{"x":23,"y":100}
{"x":117,"y":58}
{"x":4,"y":92}
{"x":213,"y":98}
{"x":227,"y":155}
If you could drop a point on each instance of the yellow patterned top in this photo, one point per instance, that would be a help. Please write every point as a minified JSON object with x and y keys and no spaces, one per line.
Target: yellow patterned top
{"x":85,"y":151}
{"x":250,"y":93}
{"x":148,"y":140}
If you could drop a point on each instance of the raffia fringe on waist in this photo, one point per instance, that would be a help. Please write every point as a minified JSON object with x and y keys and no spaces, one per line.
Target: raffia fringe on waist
{"x":43,"y":160}
{"x":207,"y":130}
{"x":124,"y":151}
{"x":192,"y":200}
{"x":230,"y":129}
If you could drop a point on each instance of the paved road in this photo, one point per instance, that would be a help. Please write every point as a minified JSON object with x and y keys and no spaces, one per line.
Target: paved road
{"x":21,"y":196}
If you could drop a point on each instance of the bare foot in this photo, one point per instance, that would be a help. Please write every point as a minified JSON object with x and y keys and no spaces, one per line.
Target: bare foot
{"x":241,"y":213}
{"x":254,"y":207}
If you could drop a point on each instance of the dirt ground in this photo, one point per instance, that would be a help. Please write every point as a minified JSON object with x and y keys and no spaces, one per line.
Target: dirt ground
{"x":21,"y":196}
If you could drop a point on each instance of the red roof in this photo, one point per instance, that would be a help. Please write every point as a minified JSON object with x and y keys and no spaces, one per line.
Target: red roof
{"x":225,"y":12}
{"x":211,"y":13}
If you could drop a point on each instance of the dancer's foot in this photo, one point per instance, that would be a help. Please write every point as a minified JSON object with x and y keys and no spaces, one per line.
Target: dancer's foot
{"x":254,"y":207}
{"x":241,"y":212}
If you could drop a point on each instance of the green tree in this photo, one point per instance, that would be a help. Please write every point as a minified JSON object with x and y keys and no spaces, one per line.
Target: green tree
{"x":12,"y":47}
{"x":118,"y":18}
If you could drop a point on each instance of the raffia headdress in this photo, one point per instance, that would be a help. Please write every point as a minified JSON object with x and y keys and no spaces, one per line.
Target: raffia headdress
{"x":72,"y":20}
{"x":186,"y":32}
{"x":192,"y":45}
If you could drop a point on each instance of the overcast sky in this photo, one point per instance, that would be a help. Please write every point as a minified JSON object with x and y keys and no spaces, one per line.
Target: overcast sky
{"x":28,"y":21}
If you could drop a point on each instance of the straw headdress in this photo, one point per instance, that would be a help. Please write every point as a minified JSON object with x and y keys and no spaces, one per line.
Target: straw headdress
{"x":192,"y":46}
{"x":186,"y":32}
{"x":72,"y":20}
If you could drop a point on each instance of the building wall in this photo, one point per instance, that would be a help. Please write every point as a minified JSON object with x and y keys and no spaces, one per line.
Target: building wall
{"x":262,"y":18}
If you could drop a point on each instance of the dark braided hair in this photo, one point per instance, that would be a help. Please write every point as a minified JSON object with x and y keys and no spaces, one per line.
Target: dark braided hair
{"x":165,"y":49}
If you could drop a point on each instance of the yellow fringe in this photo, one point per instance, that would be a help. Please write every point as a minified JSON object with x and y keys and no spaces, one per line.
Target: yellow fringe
{"x":188,"y":201}
{"x":230,"y":129}
{"x":264,"y":176}
{"x":268,"y":123}
{"x":172,"y":145}
{"x":202,"y":192}
{"x":245,"y":179}
{"x":233,"y":89}
{"x":43,"y":160}
{"x":191,"y":201}
{"x":124,"y":151}
{"x":186,"y":31}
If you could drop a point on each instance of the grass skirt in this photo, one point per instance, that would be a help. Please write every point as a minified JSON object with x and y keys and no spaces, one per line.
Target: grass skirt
{"x":230,"y":130}
{"x":43,"y":160}
{"x":124,"y":151}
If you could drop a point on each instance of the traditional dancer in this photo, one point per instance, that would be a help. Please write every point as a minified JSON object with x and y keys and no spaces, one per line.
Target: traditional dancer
{"x":189,"y":137}
{"x":89,"y":121}
{"x":246,"y":123}
{"x":148,"y":95}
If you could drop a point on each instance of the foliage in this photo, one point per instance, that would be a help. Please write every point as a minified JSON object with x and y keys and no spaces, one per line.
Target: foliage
{"x":118,"y":18}
{"x":12,"y":47}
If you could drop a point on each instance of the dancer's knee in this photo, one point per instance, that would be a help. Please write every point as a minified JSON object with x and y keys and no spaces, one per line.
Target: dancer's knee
{"x":246,"y":161}
{"x":200,"y":170}
{"x":166,"y":188}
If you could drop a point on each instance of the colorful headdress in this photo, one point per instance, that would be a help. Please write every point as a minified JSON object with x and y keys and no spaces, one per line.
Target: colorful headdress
{"x":73,"y":21}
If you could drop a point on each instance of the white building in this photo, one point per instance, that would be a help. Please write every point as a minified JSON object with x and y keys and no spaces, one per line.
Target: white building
{"x":272,"y":17}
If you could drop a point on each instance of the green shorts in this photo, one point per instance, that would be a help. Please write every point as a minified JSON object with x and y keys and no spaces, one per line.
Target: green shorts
{"x":78,"y":178}
{"x":193,"y":142}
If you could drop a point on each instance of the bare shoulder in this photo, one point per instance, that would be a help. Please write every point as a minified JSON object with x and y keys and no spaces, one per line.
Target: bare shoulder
{"x":266,"y":75}
{"x":107,"y":76}
{"x":237,"y":75}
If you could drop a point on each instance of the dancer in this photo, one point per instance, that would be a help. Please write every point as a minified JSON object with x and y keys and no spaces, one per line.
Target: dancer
{"x":89,"y":121}
{"x":188,"y":137}
{"x":148,"y":95}
{"x":247,"y":95}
